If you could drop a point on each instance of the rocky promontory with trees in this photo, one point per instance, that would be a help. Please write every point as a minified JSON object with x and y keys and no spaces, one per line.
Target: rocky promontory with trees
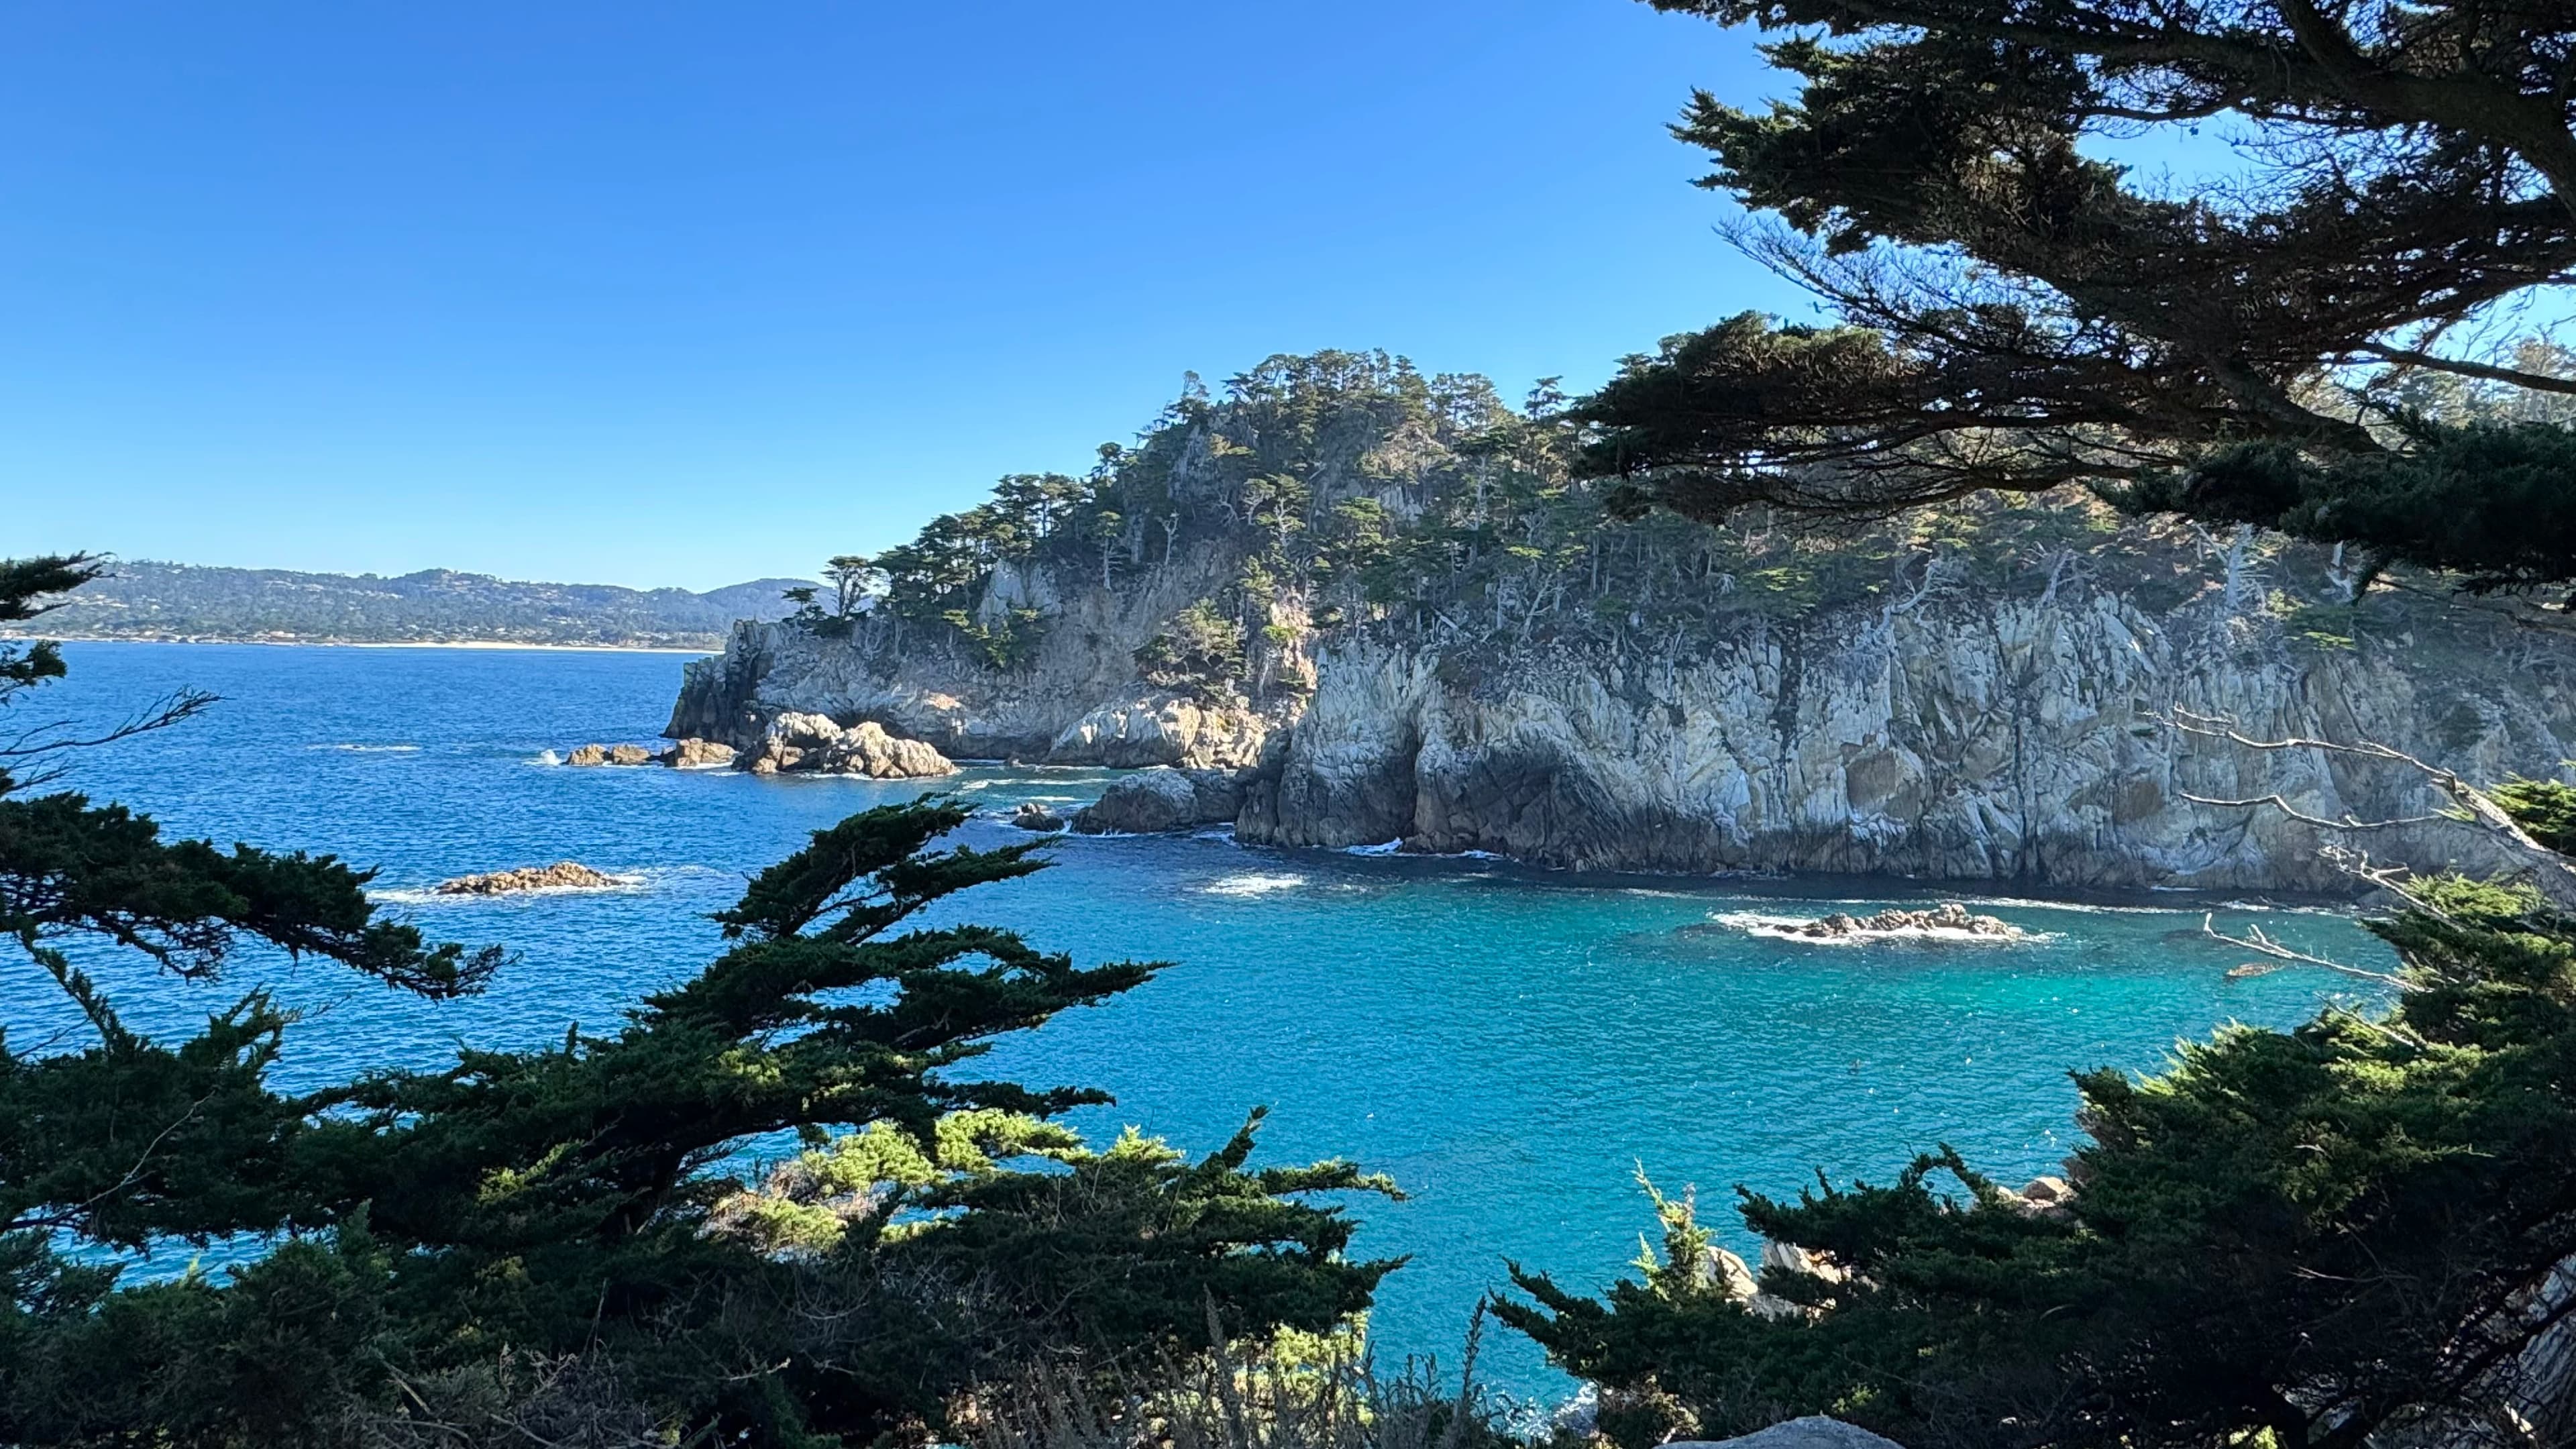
{"x":1393,"y":607}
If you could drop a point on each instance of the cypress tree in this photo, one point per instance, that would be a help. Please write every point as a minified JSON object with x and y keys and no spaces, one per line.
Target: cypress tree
{"x":525,"y":1237}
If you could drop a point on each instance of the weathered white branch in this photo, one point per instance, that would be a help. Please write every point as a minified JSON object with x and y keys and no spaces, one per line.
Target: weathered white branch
{"x":2319,"y":821}
{"x":2552,"y":874}
{"x":2254,"y":940}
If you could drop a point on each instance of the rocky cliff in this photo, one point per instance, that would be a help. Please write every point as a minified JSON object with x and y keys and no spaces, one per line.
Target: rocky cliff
{"x":1460,"y":658}
{"x":2010,"y":740}
{"x":1080,"y":701}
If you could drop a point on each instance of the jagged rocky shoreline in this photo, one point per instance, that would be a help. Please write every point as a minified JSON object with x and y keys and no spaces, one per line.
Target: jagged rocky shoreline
{"x":1417,"y":643}
{"x":2011,"y":740}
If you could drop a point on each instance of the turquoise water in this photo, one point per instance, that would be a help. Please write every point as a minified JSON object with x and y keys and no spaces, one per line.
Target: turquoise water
{"x":1512,"y":1046}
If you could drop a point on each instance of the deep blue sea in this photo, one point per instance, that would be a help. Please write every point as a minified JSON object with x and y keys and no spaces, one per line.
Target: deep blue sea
{"x":1513,"y":1046}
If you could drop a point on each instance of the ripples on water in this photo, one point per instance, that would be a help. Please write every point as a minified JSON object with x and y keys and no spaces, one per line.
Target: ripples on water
{"x":1511,"y":1045}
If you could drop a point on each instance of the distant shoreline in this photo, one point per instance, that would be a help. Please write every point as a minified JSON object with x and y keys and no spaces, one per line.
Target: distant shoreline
{"x":371,"y":643}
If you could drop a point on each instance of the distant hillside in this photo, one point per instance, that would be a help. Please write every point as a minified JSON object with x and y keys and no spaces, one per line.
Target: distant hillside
{"x":148,"y":600}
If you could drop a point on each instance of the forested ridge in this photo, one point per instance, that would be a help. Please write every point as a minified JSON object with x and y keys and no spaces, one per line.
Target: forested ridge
{"x":146,"y":599}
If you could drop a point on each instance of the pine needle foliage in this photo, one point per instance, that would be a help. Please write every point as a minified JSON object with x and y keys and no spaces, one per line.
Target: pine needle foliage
{"x":2011,"y":312}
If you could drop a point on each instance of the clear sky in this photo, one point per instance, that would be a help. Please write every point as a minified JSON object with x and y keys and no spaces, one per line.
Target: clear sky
{"x":687,"y":294}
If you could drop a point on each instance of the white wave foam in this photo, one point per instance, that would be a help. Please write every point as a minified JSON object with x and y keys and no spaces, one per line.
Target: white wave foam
{"x":2026,"y":903}
{"x":1252,"y":883}
{"x":1389,"y":848}
{"x":370,"y":749}
{"x":1793,"y":928}
{"x":547,"y":757}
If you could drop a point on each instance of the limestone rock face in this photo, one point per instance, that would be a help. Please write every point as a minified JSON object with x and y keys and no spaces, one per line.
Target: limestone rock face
{"x":813,"y":743}
{"x":1079,"y":701}
{"x":2013,"y":729}
{"x":560,"y":876}
{"x":2009,"y":740}
{"x":1155,"y":800}
{"x":1161,"y":730}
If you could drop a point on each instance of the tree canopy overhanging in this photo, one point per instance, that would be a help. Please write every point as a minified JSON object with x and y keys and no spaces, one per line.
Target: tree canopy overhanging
{"x":2015,"y":313}
{"x":2361,"y":1231}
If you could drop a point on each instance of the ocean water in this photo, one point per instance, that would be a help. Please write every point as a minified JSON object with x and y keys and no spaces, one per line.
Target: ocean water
{"x":1513,"y":1046}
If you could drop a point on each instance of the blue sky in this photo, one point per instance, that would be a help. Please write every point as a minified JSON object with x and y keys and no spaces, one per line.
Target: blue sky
{"x":661,"y":294}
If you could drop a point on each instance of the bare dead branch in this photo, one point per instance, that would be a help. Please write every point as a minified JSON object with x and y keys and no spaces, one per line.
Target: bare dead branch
{"x":2552,"y":874}
{"x":2277,"y":802}
{"x":56,"y":735}
{"x":2535,"y":381}
{"x":2254,"y":940}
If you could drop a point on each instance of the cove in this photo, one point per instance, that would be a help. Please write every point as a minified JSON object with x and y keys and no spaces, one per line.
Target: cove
{"x":1511,"y":1045}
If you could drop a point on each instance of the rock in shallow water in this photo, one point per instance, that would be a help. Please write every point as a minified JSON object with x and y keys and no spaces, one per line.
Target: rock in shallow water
{"x":813,"y":743}
{"x":588,"y":755}
{"x":563,"y":875}
{"x":1950,"y":918}
{"x":1034,"y":816}
{"x":1151,"y":801}
{"x":697,"y":754}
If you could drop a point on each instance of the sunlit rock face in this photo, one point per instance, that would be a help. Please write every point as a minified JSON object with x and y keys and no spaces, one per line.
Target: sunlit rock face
{"x":2011,"y":727}
{"x":2010,"y":740}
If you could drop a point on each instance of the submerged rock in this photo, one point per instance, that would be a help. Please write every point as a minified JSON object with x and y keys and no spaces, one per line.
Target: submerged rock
{"x":1034,"y":816}
{"x":697,"y":754}
{"x":1160,"y":799}
{"x":563,"y":875}
{"x":814,"y":744}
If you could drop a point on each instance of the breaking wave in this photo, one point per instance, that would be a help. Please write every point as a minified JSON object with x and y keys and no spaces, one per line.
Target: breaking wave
{"x":1252,"y":883}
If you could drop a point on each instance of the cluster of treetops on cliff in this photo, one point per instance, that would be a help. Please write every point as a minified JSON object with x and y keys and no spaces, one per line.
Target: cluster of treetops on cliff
{"x":1348,"y":490}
